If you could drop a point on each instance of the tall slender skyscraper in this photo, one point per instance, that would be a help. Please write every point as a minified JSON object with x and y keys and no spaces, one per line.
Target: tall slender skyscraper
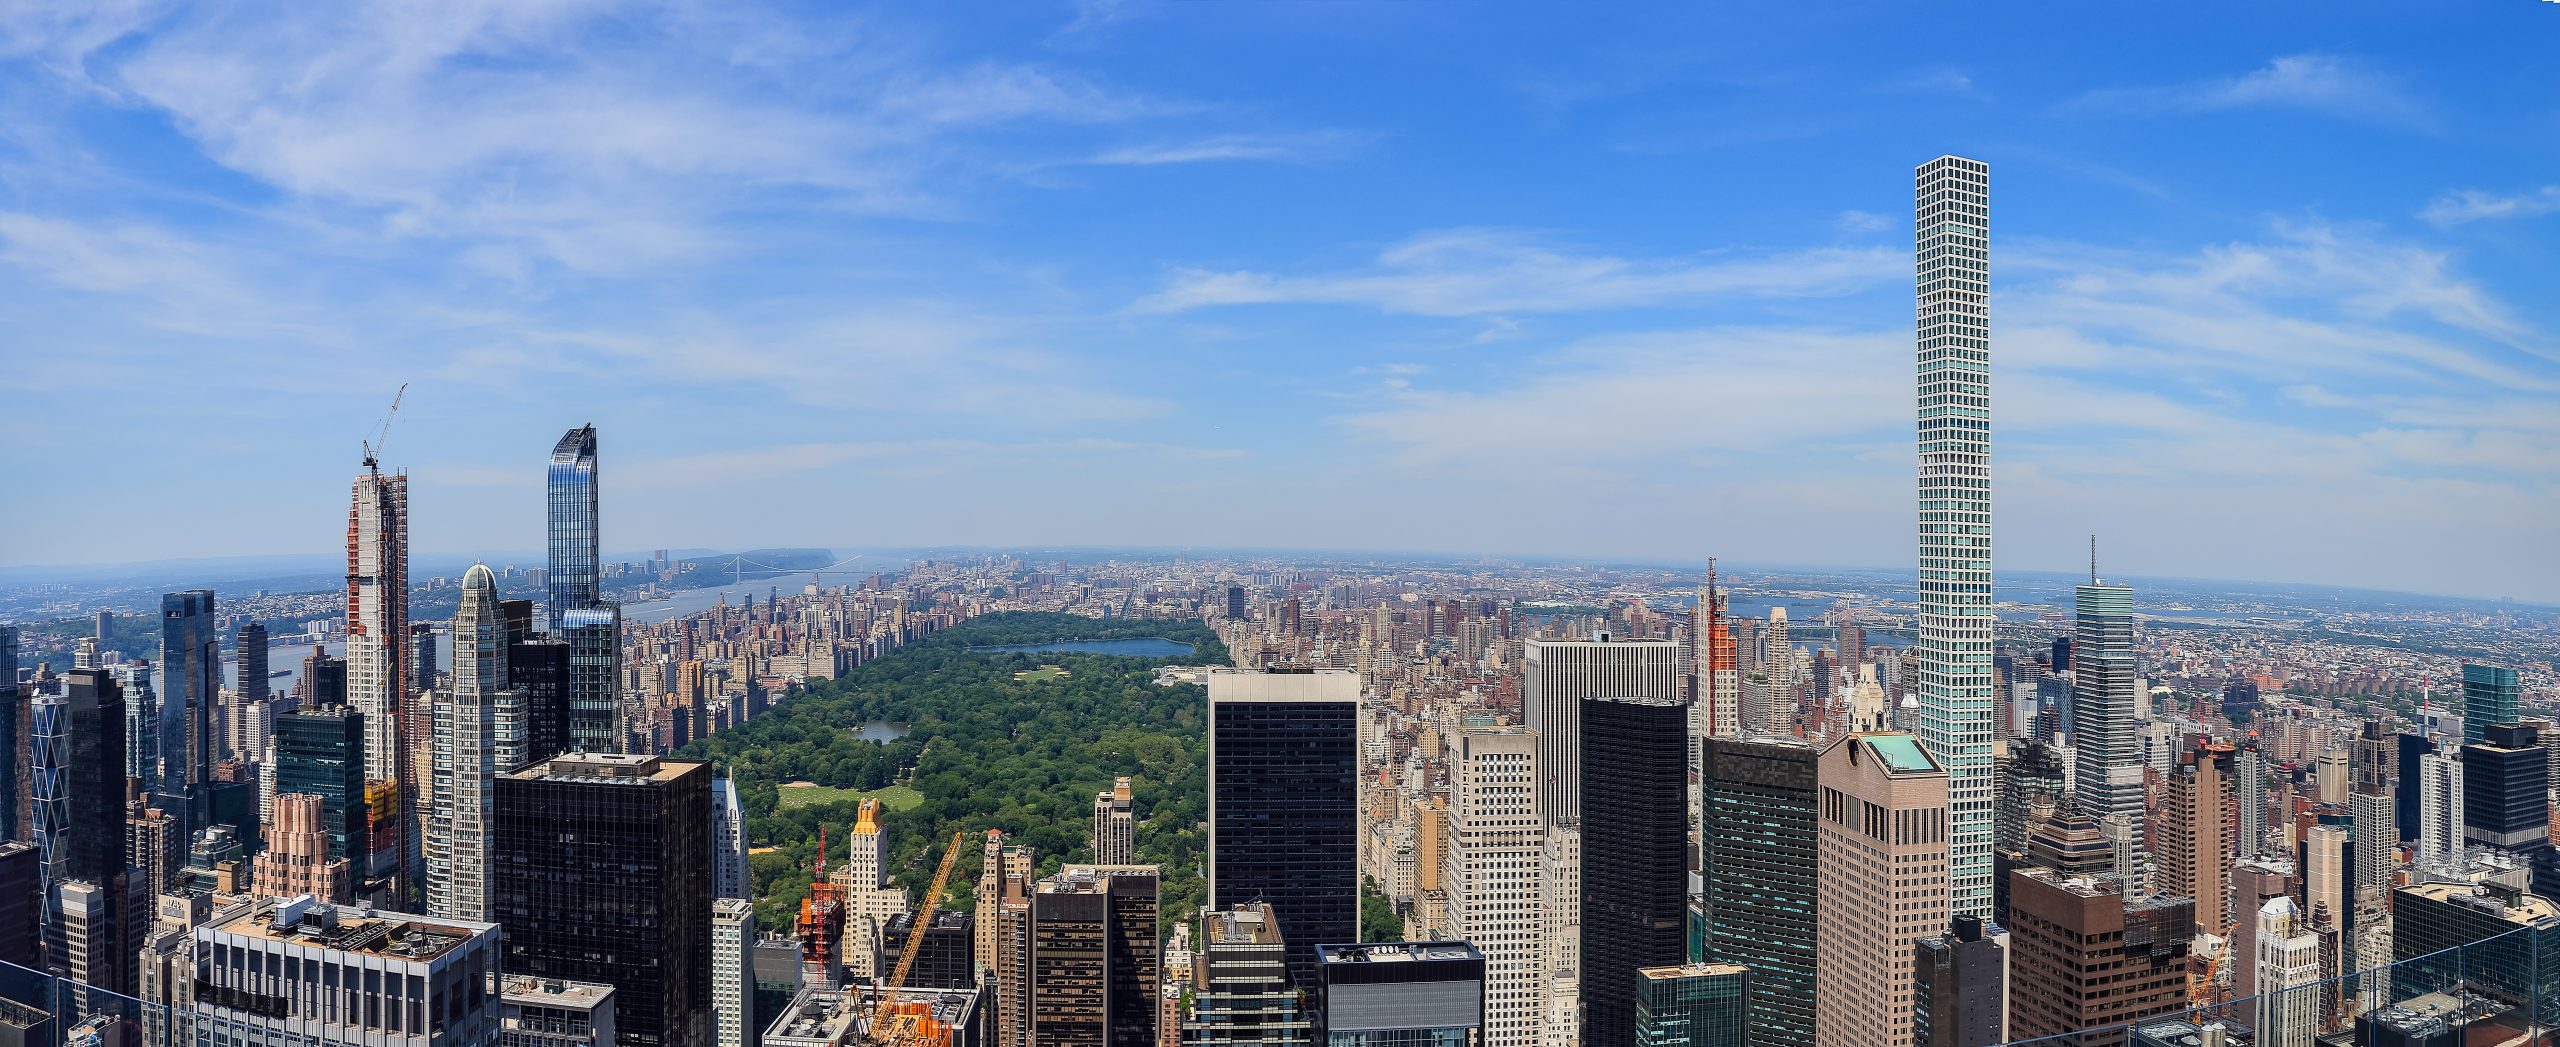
{"x":252,"y":659}
{"x":479,"y":735}
{"x":575,"y":559}
{"x":1953,"y":655}
{"x":2109,"y":745}
{"x":1635,"y":889}
{"x":1284,"y":820}
{"x":191,"y":684}
{"x":378,"y":648}
{"x":1495,"y":845}
{"x":81,"y":840}
{"x":14,"y":822}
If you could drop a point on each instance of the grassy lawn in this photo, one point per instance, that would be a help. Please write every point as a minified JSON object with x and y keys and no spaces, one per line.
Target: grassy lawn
{"x":1045,"y":672}
{"x":803,"y":794}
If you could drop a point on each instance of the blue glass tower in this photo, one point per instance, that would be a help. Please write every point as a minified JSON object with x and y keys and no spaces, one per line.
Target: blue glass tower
{"x":2490,"y":696}
{"x":191,"y":684}
{"x":574,"y":557}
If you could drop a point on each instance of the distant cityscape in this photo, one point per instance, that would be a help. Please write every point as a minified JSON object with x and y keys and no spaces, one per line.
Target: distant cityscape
{"x":708,"y":799}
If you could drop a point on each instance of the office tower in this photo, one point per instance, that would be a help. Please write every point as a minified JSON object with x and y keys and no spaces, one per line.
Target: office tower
{"x":549,"y":1012}
{"x":1560,"y":930}
{"x":1284,"y":802}
{"x":1692,"y":1005}
{"x":378,"y":656}
{"x":297,"y":859}
{"x":299,"y":971}
{"x":1634,"y":872}
{"x":1556,"y":677}
{"x":1093,"y":964}
{"x":2490,"y":695}
{"x":602,"y":872}
{"x":22,"y":905}
{"x":733,"y":972}
{"x":870,"y":901}
{"x":2287,"y":961}
{"x":77,"y":767}
{"x":251,"y":676}
{"x":2326,"y":858}
{"x":156,"y":848}
{"x":15,"y":820}
{"x":1961,"y":993}
{"x":2032,"y":779}
{"x":323,"y":680}
{"x":728,"y":843}
{"x":142,"y":755}
{"x":2249,"y":789}
{"x":2377,"y":838}
{"x":1719,"y":665}
{"x":2253,"y":882}
{"x":320,"y":752}
{"x":191,"y":679}
{"x":479,"y":735}
{"x":1115,"y":825}
{"x":1495,"y":844}
{"x":1399,"y":994}
{"x":595,"y":678}
{"x":2505,"y":783}
{"x":942,"y":958}
{"x":1759,"y":842}
{"x":571,"y":576}
{"x":2194,"y":848}
{"x":1955,"y":688}
{"x":2102,"y":700}
{"x":1242,"y":996}
{"x":1235,"y":602}
{"x":2429,"y":918}
{"x":422,"y":657}
{"x":2082,"y":954}
{"x":2439,"y":794}
{"x":1882,"y":887}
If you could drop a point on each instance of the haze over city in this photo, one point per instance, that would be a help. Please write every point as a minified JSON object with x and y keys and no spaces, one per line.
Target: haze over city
{"x":1625,"y":283}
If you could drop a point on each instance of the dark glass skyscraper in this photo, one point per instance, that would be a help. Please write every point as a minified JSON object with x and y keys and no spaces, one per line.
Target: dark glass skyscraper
{"x":80,"y":836}
{"x":1635,"y":888}
{"x":575,"y":560}
{"x":320,"y":751}
{"x":252,"y":659}
{"x":2504,"y":777}
{"x":14,"y":822}
{"x":601,"y":871}
{"x":1284,"y":764}
{"x":2490,"y":696}
{"x":190,"y":686}
{"x":1760,"y":840}
{"x":1399,"y":994}
{"x":595,"y":677}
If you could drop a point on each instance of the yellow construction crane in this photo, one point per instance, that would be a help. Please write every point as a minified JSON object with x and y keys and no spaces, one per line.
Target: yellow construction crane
{"x":896,"y":1026}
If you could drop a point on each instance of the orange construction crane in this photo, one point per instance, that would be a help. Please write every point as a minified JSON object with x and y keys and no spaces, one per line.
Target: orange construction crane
{"x":897,"y":1026}
{"x":2205,"y":991}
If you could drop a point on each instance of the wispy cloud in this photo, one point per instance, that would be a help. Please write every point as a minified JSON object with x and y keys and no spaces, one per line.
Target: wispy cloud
{"x":2324,"y":83}
{"x":1472,"y":272}
{"x":2472,"y":205}
{"x":1295,"y":148}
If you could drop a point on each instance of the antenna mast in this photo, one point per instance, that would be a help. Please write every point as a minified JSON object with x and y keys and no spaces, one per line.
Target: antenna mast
{"x":2093,"y":559}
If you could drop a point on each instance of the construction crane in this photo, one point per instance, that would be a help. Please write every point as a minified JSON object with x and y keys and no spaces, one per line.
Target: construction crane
{"x":894,"y":1026}
{"x":373,"y":447}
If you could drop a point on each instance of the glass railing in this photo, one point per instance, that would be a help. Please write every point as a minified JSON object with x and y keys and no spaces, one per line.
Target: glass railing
{"x":2499,"y":990}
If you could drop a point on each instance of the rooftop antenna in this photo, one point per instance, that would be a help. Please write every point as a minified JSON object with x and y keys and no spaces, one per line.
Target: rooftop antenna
{"x":2093,"y":559}
{"x":373,"y":447}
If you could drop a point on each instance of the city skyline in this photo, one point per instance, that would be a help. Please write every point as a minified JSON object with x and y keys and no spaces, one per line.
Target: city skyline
{"x":2312,"y":244}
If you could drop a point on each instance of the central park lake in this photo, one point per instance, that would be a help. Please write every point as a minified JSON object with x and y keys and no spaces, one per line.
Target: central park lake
{"x":1136,"y":647}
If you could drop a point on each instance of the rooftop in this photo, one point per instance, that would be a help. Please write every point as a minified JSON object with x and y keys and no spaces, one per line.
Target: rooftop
{"x":1397,"y":952}
{"x":1901,"y":753}
{"x":552,"y":992}
{"x":2510,"y":905}
{"x":349,"y":929}
{"x":632,"y":767}
{"x":1690,"y":970}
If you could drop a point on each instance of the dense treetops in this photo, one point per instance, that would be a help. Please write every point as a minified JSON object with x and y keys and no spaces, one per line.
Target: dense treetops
{"x":987,"y":752}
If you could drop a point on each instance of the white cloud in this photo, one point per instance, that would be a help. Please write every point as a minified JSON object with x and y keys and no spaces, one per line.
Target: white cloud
{"x":2319,"y":82}
{"x":1861,"y":222}
{"x":1472,"y":272}
{"x":2472,"y":205}
{"x":1301,"y":147}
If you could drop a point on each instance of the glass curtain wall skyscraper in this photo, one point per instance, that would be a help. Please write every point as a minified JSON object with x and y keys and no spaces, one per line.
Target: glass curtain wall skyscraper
{"x":1953,"y":655}
{"x":575,"y":558}
{"x":1284,"y":819}
{"x":191,"y":684}
{"x":2108,"y":749}
{"x":2490,"y":695}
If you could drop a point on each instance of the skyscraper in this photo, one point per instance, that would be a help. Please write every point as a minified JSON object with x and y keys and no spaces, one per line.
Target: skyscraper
{"x":1692,"y":1005}
{"x":1284,"y":802}
{"x":2287,"y":962}
{"x":2082,"y":954}
{"x":595,"y":678}
{"x":575,"y":560}
{"x":378,"y":651}
{"x":14,"y":821}
{"x":1556,"y":677}
{"x":1244,"y":997}
{"x":1495,"y":844}
{"x":728,"y":843}
{"x":2440,"y":790}
{"x":2194,"y":846}
{"x":83,"y":849}
{"x":2102,"y":698}
{"x":2490,"y":695}
{"x":1961,"y":995}
{"x":1760,"y":844}
{"x":1115,"y":825}
{"x":251,"y":680}
{"x":298,"y":859}
{"x":602,"y":872}
{"x":320,"y":752}
{"x":1883,"y":885}
{"x":191,"y":686}
{"x":1953,"y":652}
{"x":2505,"y":779}
{"x":1635,"y":889}
{"x":1094,"y":968}
{"x":479,"y":735}
{"x":1399,"y":994}
{"x":733,"y":973}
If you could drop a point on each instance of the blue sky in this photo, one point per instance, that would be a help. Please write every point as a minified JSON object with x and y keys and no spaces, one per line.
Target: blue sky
{"x":2272,"y":284}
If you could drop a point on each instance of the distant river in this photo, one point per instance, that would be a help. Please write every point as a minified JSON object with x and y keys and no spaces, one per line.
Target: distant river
{"x":1141,"y":647}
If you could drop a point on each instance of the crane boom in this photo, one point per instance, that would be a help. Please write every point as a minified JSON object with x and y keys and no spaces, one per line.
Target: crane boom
{"x":381,"y":433}
{"x":881,"y":1016}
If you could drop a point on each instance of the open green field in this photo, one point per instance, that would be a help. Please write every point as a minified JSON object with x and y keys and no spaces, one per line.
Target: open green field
{"x":803,"y":794}
{"x":1045,"y":672}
